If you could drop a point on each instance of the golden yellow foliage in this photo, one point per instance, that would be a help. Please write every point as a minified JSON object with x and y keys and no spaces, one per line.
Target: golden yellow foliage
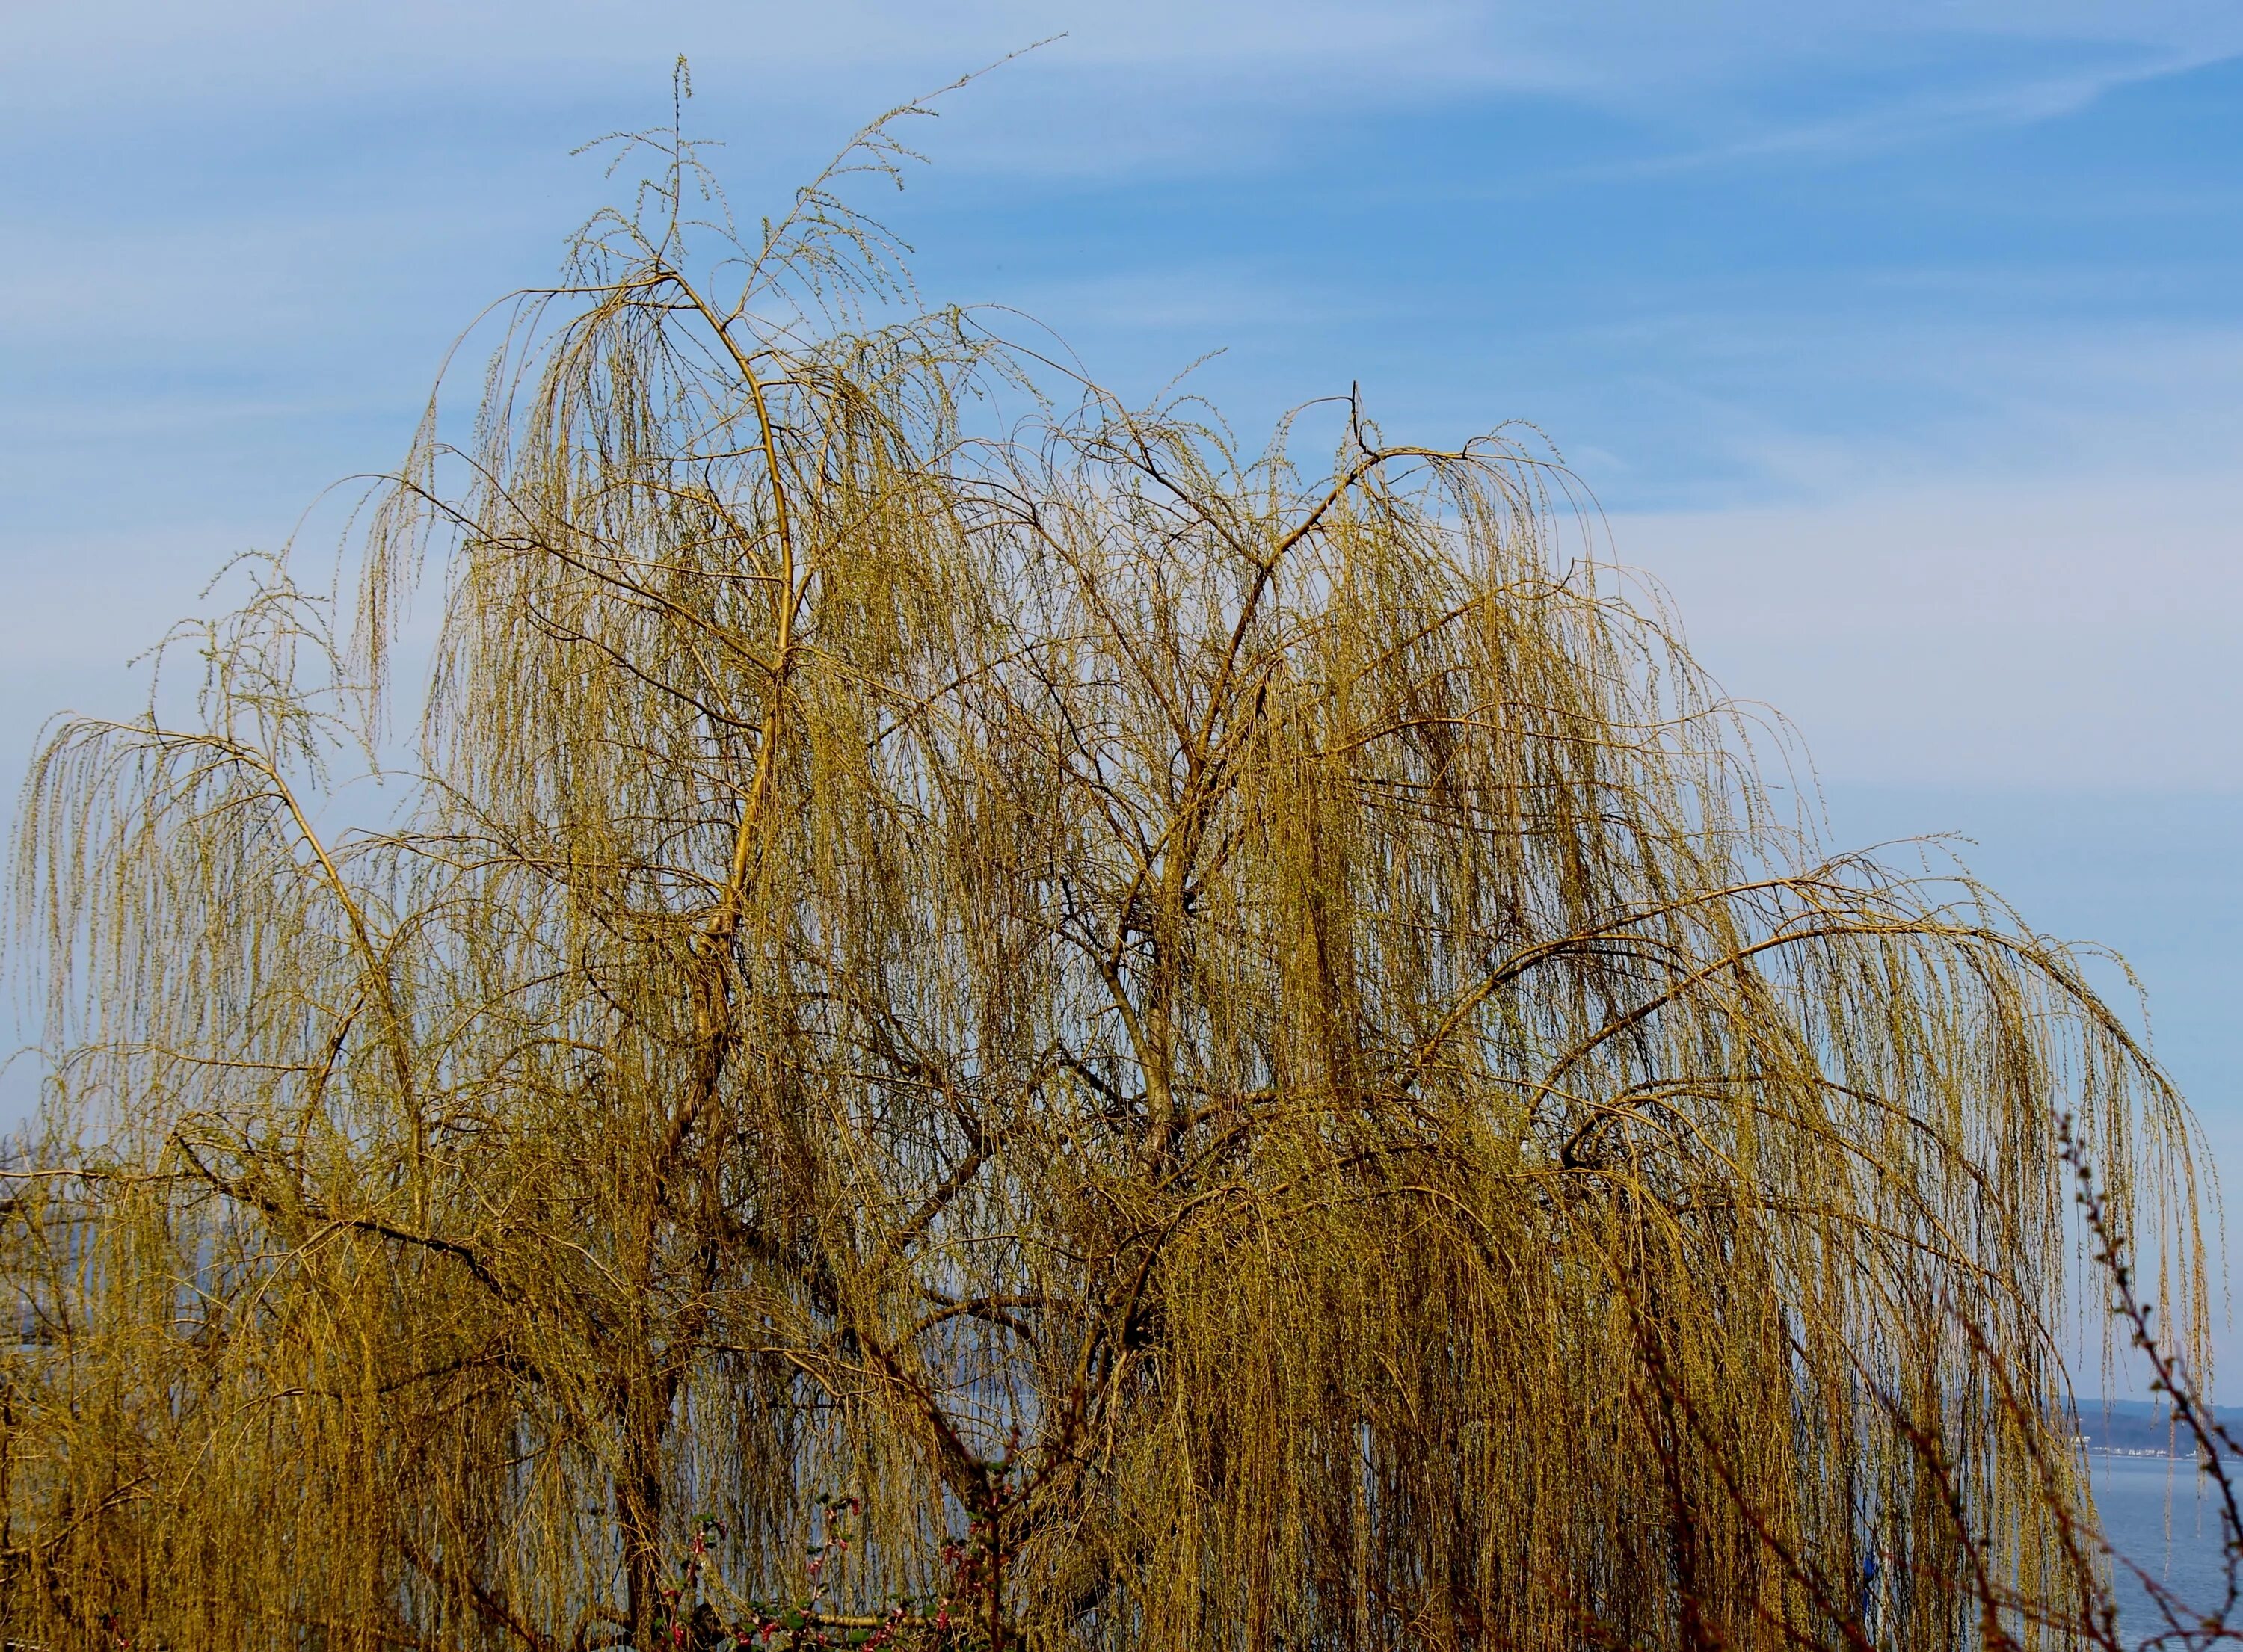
{"x":1186,"y":1049}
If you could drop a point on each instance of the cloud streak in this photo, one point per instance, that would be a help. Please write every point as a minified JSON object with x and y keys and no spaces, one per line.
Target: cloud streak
{"x":244,"y":232}
{"x":2010,"y":634}
{"x":1249,"y":60}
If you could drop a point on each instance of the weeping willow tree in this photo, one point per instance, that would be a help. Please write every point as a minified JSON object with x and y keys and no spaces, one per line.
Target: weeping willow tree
{"x":1013,"y":1028}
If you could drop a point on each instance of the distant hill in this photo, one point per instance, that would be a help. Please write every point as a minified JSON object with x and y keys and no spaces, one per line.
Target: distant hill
{"x":2143,"y":1426}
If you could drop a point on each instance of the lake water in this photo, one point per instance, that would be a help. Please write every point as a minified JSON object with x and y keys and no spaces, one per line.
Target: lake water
{"x":2155,"y":1514}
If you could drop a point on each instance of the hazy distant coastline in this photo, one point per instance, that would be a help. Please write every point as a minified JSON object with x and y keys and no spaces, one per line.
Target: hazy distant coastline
{"x":2142,"y":1428}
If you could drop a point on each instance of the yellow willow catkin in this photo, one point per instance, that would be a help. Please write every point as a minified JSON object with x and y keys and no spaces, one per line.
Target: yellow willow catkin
{"x":1186,"y":1050}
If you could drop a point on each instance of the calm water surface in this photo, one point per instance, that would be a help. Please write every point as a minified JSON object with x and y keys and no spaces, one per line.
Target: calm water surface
{"x":2156,"y":1515}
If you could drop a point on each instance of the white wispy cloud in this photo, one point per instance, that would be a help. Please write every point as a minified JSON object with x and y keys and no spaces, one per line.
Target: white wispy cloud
{"x":2017,"y":632}
{"x":1145,"y":79}
{"x":1946,"y":542}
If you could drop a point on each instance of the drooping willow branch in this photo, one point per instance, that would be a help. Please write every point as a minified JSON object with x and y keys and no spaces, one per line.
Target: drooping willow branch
{"x":1219,"y":1048}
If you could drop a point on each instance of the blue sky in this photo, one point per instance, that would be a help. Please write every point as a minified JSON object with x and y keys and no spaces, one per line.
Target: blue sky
{"x":1905,"y":345}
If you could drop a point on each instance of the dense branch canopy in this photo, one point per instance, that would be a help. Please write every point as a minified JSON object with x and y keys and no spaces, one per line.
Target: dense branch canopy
{"x":1227,"y":1052}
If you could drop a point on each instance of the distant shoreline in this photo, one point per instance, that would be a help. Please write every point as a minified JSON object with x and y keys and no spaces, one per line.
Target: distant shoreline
{"x":2140,"y":1428}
